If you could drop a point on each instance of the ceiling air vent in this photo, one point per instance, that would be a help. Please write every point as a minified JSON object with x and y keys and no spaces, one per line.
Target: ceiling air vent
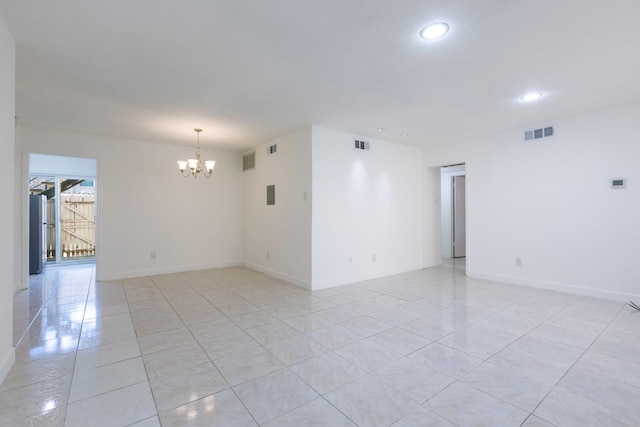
{"x":272,"y":149}
{"x":361,"y":145}
{"x":539,"y":133}
{"x":249,"y":161}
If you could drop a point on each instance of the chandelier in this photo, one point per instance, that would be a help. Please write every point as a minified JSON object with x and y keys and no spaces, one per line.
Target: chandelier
{"x":195,"y":165}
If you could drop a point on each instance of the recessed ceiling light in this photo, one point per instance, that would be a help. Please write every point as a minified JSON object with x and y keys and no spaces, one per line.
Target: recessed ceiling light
{"x":380,"y":129}
{"x":404,"y":135}
{"x":434,"y":31}
{"x":531,"y":96}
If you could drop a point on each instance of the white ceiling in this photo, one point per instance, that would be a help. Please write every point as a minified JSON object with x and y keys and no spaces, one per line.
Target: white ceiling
{"x":247,"y":71}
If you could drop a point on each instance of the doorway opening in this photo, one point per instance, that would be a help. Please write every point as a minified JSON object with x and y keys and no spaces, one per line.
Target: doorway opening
{"x":68,"y":216}
{"x":63,"y":190}
{"x":453,"y":211}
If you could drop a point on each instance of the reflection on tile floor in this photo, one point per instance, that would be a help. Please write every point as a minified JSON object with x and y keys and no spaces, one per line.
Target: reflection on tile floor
{"x":234,"y":347}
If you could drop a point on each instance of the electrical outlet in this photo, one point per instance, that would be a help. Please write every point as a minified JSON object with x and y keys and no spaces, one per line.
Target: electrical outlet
{"x":268,"y":255}
{"x":350,"y":261}
{"x":373,"y":257}
{"x":518,"y":262}
{"x":152,"y":255}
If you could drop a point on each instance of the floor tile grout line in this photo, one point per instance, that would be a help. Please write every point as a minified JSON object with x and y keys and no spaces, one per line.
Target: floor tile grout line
{"x":544,"y":322}
{"x":204,"y":351}
{"x":104,"y":393}
{"x":231,"y":387}
{"x":75,"y":356}
{"x":144,"y":365}
{"x":575,"y":363}
{"x":39,"y":313}
{"x":284,"y":367}
{"x":459,"y":380}
{"x":44,"y":303}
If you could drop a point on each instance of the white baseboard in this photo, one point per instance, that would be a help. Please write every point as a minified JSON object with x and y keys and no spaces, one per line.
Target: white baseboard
{"x":362,"y":277}
{"x":103,"y":277}
{"x":278,"y":275}
{"x":6,"y":362}
{"x":554,"y":286}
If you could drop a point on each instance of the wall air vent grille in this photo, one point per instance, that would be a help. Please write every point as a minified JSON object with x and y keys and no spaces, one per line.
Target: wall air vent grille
{"x":361,"y":145}
{"x":272,"y":149}
{"x":249,"y":161}
{"x":539,"y":133}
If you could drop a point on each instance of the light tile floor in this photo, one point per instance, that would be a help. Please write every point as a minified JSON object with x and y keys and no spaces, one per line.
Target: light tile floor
{"x":233,"y":347}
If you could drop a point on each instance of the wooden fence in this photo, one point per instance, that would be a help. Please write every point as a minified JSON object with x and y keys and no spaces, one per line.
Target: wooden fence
{"x":77,"y":226}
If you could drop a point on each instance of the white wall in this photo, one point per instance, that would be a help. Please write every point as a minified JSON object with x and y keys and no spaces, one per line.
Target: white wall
{"x":431,"y":217}
{"x":365,"y":203}
{"x":7,"y":224}
{"x":550,"y":204}
{"x":284,"y":229}
{"x":446,"y":210}
{"x":145,"y":206}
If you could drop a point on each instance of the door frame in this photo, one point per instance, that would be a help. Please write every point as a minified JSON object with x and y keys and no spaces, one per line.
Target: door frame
{"x":432,"y":220}
{"x":21,"y":257}
{"x":57,"y":179}
{"x":454,"y":190}
{"x":445,"y":209}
